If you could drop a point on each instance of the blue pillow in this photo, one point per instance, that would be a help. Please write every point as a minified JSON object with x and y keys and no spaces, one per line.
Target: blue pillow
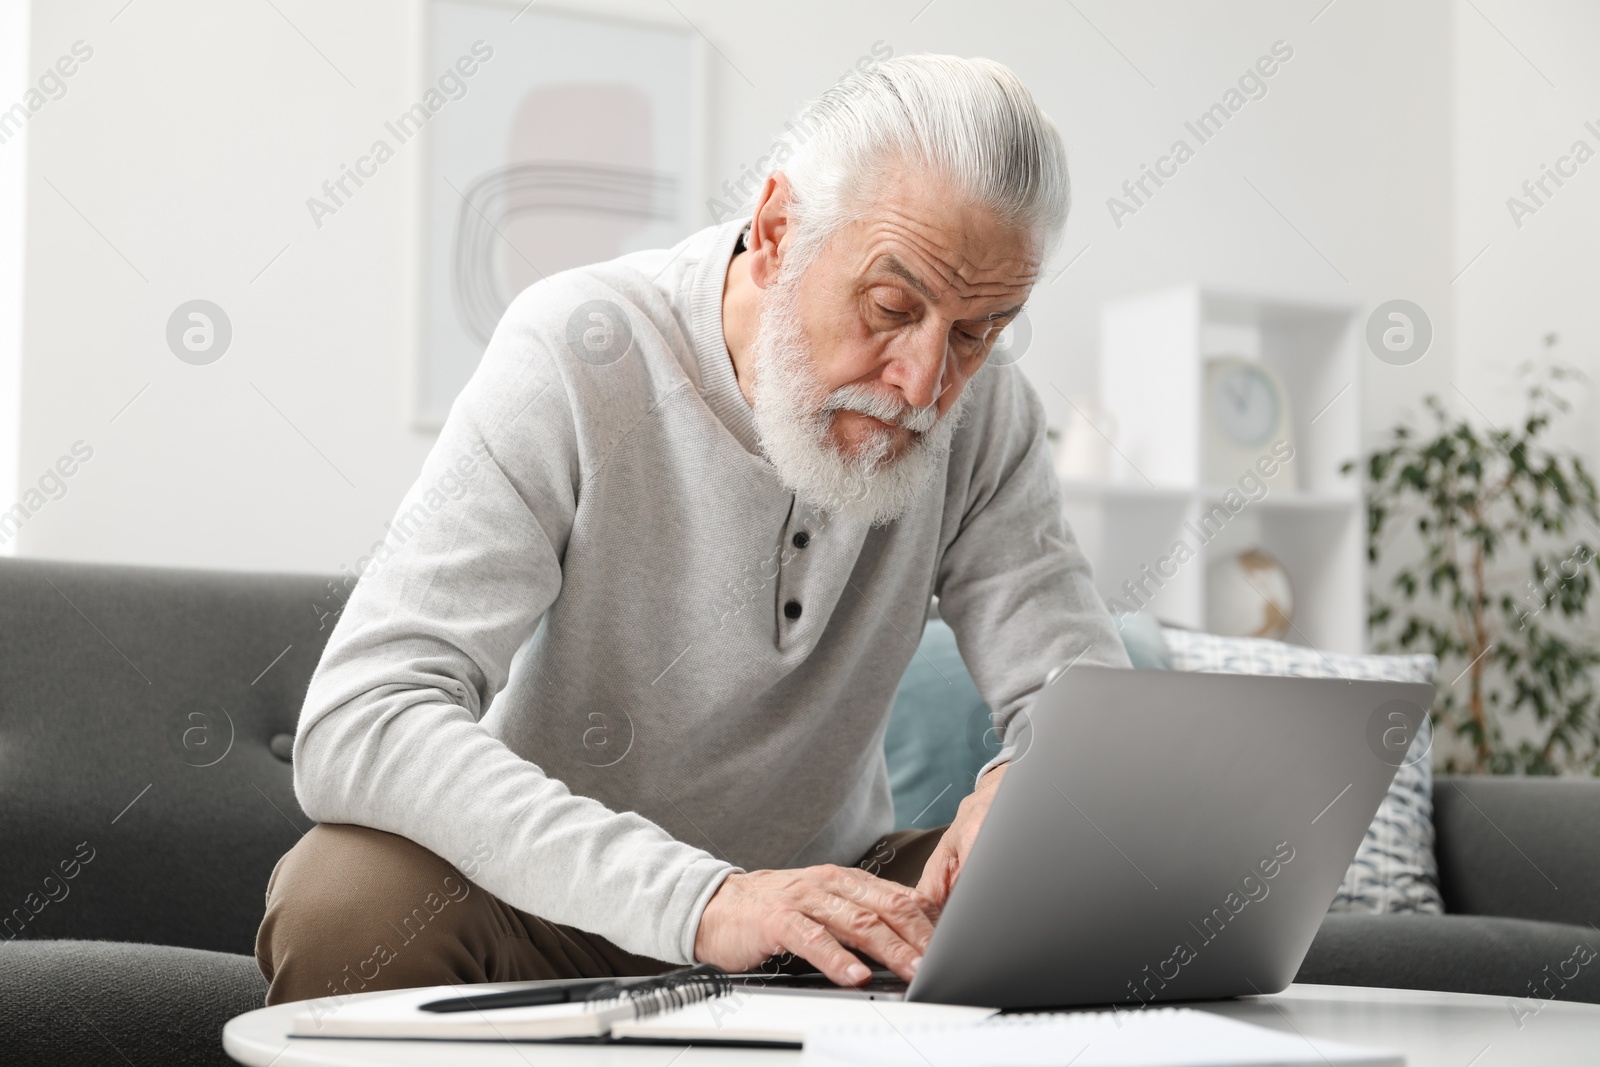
{"x":940,"y":734}
{"x":1141,"y":636}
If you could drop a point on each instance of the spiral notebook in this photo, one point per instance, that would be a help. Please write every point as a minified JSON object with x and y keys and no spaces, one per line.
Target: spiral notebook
{"x":682,"y":1008}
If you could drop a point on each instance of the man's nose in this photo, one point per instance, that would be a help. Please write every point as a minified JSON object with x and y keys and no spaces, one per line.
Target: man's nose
{"x":918,"y":371}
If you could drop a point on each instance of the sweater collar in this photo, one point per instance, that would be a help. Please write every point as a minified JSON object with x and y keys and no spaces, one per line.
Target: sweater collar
{"x":718,"y":383}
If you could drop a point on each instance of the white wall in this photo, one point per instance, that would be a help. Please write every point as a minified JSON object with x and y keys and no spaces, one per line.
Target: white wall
{"x":13,"y":172}
{"x":1526,"y":84}
{"x":176,"y":168}
{"x":192,"y":138}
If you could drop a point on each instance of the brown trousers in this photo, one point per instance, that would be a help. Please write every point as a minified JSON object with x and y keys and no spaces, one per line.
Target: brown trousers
{"x":351,"y":910}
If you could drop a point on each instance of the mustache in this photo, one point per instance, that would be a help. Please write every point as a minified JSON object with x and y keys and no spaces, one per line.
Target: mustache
{"x":865,"y":400}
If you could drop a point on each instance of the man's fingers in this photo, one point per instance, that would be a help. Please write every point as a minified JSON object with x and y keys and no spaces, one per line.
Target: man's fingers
{"x":865,"y":930}
{"x":933,"y":874}
{"x":898,"y":906}
{"x":937,"y":875}
{"x":820,"y":914}
{"x":811,"y":941}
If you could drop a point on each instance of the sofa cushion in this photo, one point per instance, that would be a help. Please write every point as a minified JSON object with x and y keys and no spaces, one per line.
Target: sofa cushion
{"x":1394,"y":869}
{"x":138,"y":707}
{"x":1518,"y":958}
{"x":78,"y":1002}
{"x":1523,"y":847}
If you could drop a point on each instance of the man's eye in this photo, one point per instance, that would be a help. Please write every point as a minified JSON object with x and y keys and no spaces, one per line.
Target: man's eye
{"x":891,"y":312}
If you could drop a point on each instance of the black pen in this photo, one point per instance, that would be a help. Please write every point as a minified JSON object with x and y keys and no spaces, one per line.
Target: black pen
{"x":527,"y":997}
{"x":562,"y":992}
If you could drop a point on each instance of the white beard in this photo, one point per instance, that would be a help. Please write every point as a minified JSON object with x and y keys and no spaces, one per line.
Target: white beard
{"x":794,"y":417}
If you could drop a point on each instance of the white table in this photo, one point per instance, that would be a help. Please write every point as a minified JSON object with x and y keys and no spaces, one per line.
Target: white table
{"x":1432,"y":1029}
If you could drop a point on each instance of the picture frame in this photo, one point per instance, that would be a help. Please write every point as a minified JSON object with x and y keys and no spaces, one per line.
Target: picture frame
{"x":574,"y":139}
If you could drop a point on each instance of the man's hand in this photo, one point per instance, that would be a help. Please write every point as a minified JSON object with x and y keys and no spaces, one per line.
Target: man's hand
{"x":939,"y":875}
{"x":819,"y":914}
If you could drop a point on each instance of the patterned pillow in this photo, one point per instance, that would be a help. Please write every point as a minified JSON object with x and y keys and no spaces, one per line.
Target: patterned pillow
{"x":1394,"y":869}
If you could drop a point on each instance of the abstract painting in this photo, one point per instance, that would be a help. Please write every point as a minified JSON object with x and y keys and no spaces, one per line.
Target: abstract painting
{"x":574,"y":139}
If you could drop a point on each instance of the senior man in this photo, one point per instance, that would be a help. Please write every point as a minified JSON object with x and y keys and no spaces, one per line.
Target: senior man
{"x":620,"y":705}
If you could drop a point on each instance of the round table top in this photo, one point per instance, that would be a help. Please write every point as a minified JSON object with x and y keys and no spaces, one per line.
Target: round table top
{"x":1431,"y":1029}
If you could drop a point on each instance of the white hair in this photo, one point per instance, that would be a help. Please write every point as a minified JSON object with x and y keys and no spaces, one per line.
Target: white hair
{"x":969,"y":121}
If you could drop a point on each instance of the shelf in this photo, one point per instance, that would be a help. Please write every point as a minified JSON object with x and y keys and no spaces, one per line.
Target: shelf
{"x":1156,"y":534}
{"x":1136,"y":491}
{"x":1287,"y":501}
{"x":1156,"y":494}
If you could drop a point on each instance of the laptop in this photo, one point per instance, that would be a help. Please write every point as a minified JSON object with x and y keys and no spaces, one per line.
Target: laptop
{"x":1160,"y":836}
{"x":1166,"y":836}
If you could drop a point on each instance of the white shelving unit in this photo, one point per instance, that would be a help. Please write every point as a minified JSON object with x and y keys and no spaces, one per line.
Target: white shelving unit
{"x":1153,"y":353}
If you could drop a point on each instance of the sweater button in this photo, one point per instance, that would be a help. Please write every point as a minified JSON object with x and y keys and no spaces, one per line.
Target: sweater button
{"x":801,"y":539}
{"x":791,"y":610}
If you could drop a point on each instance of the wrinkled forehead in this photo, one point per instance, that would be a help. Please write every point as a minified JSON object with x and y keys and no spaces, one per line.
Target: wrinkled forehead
{"x":954,"y":260}
{"x":921,"y":228}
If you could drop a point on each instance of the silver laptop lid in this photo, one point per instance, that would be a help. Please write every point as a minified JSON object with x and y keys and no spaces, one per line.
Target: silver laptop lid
{"x":1167,"y":835}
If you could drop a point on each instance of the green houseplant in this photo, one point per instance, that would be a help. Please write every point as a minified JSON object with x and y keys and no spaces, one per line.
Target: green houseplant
{"x":1494,"y":533}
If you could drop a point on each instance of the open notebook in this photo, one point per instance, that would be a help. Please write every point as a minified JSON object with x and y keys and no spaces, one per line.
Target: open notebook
{"x":696,"y":1015}
{"x":701,"y":1009}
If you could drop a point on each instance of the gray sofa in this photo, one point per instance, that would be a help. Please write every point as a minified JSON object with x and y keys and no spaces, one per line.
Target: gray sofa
{"x":145,"y":717}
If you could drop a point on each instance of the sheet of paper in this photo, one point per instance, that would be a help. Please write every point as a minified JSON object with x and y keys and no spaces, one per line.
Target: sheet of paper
{"x":1166,"y":1037}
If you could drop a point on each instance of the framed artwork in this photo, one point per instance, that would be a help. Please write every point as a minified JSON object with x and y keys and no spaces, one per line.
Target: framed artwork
{"x":554,"y":139}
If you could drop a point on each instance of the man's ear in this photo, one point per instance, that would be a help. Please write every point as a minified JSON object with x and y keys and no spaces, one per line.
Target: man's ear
{"x":769,"y":228}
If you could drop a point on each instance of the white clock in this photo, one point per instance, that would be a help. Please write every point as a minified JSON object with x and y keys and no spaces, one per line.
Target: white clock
{"x":1246,"y":424}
